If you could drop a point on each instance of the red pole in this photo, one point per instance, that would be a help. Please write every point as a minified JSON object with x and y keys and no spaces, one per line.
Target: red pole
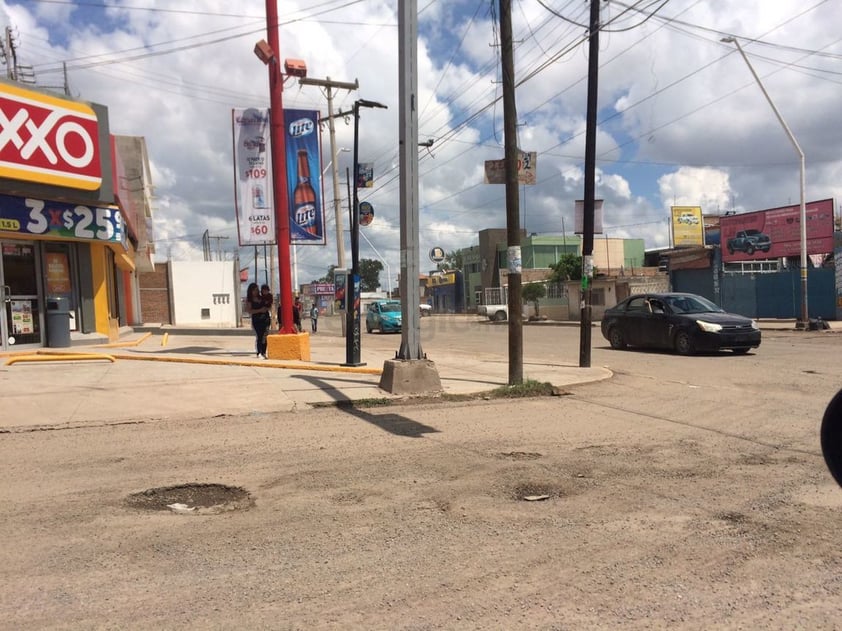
{"x":279,"y":169}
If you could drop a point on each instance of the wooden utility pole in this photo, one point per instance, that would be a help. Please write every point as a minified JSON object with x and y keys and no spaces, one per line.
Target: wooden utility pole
{"x":507,"y":66}
{"x":590,"y":189}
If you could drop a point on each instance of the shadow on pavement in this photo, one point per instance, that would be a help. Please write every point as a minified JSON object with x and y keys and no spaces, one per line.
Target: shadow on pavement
{"x":392,"y":423}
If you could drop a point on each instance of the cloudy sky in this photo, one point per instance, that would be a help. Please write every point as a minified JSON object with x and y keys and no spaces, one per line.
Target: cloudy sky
{"x":681,"y":119}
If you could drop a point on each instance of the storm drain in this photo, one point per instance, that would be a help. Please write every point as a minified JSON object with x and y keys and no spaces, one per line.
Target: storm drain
{"x":192,"y":499}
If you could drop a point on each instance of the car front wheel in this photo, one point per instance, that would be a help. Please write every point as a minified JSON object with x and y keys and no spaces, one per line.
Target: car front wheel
{"x":615,"y":337}
{"x":684,"y":343}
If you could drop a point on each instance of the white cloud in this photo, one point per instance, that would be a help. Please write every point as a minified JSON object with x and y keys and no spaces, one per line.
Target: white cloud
{"x":682,"y":120}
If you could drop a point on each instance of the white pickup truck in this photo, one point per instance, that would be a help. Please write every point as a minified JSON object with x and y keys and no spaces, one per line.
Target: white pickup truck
{"x":497,"y":313}
{"x":495,"y":304}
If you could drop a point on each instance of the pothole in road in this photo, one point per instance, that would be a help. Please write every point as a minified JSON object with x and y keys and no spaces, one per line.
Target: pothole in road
{"x":537,"y":491}
{"x":520,"y":455}
{"x":192,"y":499}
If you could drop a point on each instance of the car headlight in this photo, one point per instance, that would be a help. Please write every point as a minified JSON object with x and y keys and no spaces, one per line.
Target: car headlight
{"x":709,"y":327}
{"x":754,"y":325}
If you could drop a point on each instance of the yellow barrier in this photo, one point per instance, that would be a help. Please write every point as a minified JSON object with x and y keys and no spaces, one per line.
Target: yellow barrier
{"x":47,"y":357}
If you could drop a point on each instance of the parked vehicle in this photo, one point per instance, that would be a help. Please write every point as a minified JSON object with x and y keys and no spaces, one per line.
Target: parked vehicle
{"x":831,"y":437}
{"x":495,"y":304}
{"x":686,"y":323}
{"x":384,"y":315}
{"x":496,"y":313}
{"x":749,"y":241}
{"x":426,"y":310}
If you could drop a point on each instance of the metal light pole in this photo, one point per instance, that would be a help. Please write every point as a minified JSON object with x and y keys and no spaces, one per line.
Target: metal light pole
{"x":805,"y":312}
{"x":352,"y":314}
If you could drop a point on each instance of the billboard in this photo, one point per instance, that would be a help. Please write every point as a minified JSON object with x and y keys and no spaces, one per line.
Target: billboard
{"x":304,"y":177}
{"x":687,"y":226}
{"x":776,"y":232}
{"x":253,"y":193}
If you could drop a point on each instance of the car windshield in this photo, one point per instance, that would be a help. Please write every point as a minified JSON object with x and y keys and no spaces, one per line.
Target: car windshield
{"x":390,"y":307}
{"x":690,"y":304}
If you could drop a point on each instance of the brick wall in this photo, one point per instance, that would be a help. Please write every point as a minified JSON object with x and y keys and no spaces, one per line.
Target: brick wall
{"x":155,"y":295}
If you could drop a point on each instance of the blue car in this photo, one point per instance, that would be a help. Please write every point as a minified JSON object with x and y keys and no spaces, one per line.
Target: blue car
{"x":384,"y":315}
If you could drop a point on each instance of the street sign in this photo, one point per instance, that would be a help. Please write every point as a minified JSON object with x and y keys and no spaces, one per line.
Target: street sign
{"x":366,"y":213}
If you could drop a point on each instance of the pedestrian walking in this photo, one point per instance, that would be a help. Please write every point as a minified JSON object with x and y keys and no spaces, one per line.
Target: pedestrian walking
{"x":314,"y":318}
{"x":260,"y":318}
{"x":296,"y":315}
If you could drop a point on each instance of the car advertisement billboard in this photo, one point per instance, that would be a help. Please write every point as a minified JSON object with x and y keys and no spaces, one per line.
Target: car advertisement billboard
{"x":687,"y":226}
{"x":776,"y":232}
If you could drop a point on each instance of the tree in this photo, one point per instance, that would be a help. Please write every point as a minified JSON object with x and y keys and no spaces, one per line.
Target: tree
{"x":568,"y":267}
{"x":533,"y":292}
{"x":370,"y":274}
{"x":328,"y":277}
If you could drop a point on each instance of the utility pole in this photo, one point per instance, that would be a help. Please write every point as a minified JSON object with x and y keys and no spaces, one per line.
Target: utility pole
{"x":590,"y":189}
{"x":337,"y":201}
{"x":507,"y":65}
{"x":279,"y":171}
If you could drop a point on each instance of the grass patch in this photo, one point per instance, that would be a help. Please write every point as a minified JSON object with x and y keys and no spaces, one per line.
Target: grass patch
{"x":529,"y":388}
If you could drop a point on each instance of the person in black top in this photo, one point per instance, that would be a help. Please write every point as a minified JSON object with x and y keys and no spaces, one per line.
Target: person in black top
{"x":260,"y":318}
{"x":296,"y":315}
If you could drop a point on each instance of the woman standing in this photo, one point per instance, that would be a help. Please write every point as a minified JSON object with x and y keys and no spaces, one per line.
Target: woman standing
{"x":260,"y":317}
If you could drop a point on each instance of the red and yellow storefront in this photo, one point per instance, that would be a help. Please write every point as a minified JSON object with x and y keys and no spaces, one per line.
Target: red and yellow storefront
{"x":64,"y":239}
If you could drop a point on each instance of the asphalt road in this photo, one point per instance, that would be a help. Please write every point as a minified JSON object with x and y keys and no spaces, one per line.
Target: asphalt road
{"x":685,"y":492}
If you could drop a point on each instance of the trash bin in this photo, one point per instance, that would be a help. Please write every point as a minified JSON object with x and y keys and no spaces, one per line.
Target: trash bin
{"x":58,"y":322}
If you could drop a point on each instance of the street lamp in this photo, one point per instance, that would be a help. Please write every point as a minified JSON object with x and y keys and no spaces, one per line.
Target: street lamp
{"x":803,"y":321}
{"x":352,"y":314}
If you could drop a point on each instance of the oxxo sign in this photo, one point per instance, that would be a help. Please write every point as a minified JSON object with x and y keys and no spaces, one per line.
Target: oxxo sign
{"x":48,"y":140}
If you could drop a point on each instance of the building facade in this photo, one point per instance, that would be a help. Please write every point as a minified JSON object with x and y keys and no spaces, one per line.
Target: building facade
{"x":69,"y":234}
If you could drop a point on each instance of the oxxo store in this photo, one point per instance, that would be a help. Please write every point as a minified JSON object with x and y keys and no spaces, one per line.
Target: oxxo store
{"x":63,"y":242}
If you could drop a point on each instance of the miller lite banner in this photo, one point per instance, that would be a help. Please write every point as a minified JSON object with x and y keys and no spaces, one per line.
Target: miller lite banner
{"x":48,"y":140}
{"x":253,"y":197}
{"x":304,"y":177}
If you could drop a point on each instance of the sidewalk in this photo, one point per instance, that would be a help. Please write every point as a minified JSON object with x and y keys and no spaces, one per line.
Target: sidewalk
{"x":147,"y":376}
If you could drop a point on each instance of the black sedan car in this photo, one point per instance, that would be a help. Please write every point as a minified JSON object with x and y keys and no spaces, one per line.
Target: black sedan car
{"x":684,"y":322}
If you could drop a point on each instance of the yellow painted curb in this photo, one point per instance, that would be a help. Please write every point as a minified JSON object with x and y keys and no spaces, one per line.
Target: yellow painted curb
{"x":53,"y":357}
{"x":263,"y":363}
{"x":136,"y":342}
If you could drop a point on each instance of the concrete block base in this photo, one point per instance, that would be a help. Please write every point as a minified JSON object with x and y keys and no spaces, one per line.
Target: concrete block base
{"x":410,"y":376}
{"x":288,"y":346}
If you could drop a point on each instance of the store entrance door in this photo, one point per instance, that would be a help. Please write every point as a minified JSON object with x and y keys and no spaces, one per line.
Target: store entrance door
{"x":20,"y":317}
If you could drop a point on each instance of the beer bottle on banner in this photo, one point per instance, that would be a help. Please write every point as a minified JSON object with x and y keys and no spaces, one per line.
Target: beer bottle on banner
{"x":304,"y":197}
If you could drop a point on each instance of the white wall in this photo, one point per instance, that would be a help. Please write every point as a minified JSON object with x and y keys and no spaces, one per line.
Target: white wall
{"x":205,"y":285}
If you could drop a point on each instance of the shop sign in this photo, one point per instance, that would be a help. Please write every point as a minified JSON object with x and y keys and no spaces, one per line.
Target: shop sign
{"x":60,"y":219}
{"x":48,"y":140}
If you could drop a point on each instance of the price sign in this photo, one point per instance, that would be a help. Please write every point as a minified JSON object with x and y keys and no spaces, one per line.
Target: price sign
{"x":70,"y":221}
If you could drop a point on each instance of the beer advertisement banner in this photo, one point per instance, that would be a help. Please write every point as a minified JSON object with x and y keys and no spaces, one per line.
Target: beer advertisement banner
{"x":687,"y":225}
{"x":304,"y":177}
{"x":253,"y":196}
